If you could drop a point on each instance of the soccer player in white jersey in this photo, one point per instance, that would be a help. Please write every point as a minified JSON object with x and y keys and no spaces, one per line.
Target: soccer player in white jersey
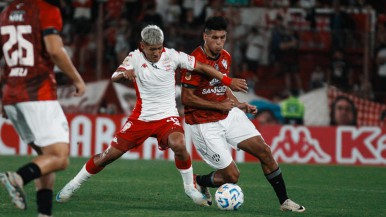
{"x":152,"y":69}
{"x":217,"y":122}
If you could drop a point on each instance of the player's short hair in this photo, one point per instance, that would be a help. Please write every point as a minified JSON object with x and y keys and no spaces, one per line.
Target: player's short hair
{"x":216,"y":23}
{"x":152,"y":35}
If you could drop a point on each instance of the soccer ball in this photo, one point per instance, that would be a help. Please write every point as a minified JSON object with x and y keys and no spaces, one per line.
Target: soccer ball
{"x":229,"y":197}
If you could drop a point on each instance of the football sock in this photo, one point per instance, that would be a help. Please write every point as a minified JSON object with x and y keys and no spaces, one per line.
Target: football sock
{"x":82,"y":176}
{"x":277,"y":182}
{"x":29,"y":172}
{"x":186,"y":170}
{"x":183,"y":164}
{"x":89,"y":169}
{"x":92,"y":168}
{"x":187,"y":176}
{"x":44,"y":201}
{"x":206,"y":180}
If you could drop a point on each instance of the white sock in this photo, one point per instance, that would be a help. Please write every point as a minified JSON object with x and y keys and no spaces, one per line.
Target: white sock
{"x":82,"y":176}
{"x":187,"y":176}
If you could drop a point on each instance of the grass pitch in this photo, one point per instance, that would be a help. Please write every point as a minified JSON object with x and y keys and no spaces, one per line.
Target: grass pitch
{"x":154,"y":188}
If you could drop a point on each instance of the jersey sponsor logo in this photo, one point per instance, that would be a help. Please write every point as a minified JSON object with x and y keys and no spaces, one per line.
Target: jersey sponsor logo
{"x":224,"y":63}
{"x":174,"y":120}
{"x":188,"y":76}
{"x":214,"y":82}
{"x":216,"y":157}
{"x":16,"y":16}
{"x":216,"y":66}
{"x":218,"y":90}
{"x":126,"y":127}
{"x":18,"y":72}
{"x":296,"y":145}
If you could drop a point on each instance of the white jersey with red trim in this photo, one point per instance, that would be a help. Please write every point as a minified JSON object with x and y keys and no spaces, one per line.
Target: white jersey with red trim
{"x":155,"y":83}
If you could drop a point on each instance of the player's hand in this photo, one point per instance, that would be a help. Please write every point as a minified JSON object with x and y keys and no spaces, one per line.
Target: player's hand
{"x":239,"y":84}
{"x":129,"y":74}
{"x":227,"y":105}
{"x":80,"y":88}
{"x":248,"y":108}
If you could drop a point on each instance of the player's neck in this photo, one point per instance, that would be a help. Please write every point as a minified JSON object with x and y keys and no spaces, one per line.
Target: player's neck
{"x":209,"y":53}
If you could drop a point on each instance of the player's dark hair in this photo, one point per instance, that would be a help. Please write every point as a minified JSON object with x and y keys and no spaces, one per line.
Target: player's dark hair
{"x":216,"y":23}
{"x":353,"y":109}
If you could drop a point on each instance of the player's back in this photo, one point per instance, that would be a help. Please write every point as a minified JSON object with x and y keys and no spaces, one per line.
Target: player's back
{"x":28,"y":72}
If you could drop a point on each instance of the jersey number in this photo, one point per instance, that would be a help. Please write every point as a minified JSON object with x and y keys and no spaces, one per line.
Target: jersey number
{"x":23,"y":46}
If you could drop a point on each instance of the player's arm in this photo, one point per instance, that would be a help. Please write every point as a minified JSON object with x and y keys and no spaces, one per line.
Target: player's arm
{"x":246,"y":107}
{"x":188,"y":98}
{"x":236,"y":84}
{"x":120,"y":74}
{"x":59,"y":56}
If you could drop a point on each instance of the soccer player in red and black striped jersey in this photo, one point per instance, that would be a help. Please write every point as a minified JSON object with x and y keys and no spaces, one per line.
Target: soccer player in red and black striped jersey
{"x":31,"y":46}
{"x":216,"y":120}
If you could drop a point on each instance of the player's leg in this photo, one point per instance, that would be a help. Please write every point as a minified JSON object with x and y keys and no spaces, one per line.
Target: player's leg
{"x":183,"y":162}
{"x":43,"y":124}
{"x":93,"y":166}
{"x":242,"y":133}
{"x":257,"y":147}
{"x":44,"y":186}
{"x":210,"y":142}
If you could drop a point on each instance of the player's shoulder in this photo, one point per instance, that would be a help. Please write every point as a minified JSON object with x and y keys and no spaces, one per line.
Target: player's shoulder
{"x":199,"y":54}
{"x":47,"y":7}
{"x":225,"y":53}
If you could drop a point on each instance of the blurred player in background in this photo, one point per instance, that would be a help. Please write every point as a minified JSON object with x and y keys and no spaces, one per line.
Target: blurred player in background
{"x":31,"y":45}
{"x":216,"y":120}
{"x":152,"y":69}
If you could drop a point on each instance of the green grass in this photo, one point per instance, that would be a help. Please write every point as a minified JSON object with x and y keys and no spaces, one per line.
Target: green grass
{"x":154,"y":188}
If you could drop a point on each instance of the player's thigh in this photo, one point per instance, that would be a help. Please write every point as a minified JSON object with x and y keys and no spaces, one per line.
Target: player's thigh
{"x":210,"y":142}
{"x":132,"y":134}
{"x":238,"y":127}
{"x":41,"y":122}
{"x":19,"y":123}
{"x":170,"y":133}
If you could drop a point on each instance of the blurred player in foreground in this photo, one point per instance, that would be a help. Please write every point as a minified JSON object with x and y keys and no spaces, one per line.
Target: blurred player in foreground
{"x":216,"y":120}
{"x":31,"y":45}
{"x":152,"y":69}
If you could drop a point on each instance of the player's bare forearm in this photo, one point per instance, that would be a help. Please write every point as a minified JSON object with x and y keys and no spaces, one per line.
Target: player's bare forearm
{"x":123,"y":73}
{"x":235,"y":84}
{"x":188,"y":98}
{"x":59,"y":56}
{"x":117,"y":76}
{"x":246,"y":107}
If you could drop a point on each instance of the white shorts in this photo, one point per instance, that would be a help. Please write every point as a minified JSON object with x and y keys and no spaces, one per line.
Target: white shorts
{"x":40,"y":122}
{"x":213,"y":140}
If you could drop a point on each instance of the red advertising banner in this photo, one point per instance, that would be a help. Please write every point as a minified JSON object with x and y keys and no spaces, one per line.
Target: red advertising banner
{"x":91,"y":134}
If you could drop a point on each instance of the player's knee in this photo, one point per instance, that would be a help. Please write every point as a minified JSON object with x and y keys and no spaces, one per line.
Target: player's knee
{"x":64,"y":162}
{"x":178,"y":145}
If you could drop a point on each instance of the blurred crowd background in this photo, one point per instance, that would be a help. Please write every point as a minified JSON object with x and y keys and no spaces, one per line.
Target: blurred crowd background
{"x":282,"y":47}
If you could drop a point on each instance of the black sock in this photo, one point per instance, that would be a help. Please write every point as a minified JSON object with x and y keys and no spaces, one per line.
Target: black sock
{"x":29,"y":172}
{"x":277,"y":182}
{"x":44,"y":201}
{"x":206,"y":180}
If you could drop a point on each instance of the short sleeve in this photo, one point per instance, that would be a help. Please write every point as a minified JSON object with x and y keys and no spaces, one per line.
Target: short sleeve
{"x":127,"y":63}
{"x":50,"y":18}
{"x":184,"y":61}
